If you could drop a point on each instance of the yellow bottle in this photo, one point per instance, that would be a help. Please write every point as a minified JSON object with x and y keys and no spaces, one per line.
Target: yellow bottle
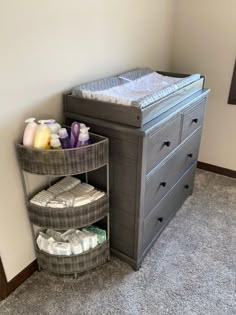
{"x":42,"y":136}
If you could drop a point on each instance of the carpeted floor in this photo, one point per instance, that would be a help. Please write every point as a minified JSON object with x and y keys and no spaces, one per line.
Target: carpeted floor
{"x":190,"y":270}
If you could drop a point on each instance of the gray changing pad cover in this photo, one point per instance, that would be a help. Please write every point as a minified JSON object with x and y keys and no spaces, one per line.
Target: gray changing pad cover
{"x":140,"y":87}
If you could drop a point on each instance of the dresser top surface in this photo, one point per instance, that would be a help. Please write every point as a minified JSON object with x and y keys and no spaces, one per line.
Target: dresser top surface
{"x":150,"y":126}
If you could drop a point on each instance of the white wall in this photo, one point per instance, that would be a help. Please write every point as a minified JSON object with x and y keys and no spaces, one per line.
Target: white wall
{"x":47,"y":47}
{"x":205,"y":42}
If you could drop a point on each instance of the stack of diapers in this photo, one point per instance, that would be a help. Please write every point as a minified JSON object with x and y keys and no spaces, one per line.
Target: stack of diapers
{"x":71,"y":242}
{"x":68,"y":192}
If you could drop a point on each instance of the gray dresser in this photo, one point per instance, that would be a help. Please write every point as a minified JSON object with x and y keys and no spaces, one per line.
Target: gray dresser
{"x":151,"y":172}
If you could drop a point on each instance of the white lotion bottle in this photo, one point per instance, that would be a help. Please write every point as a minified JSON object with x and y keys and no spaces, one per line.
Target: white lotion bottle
{"x":53,"y":125}
{"x":29,"y":132}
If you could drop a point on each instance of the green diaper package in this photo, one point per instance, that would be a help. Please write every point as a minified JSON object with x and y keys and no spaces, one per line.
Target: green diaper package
{"x":100,"y":233}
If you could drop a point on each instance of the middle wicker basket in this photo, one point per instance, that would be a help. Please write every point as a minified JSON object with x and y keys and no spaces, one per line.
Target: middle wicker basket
{"x":66,"y":218}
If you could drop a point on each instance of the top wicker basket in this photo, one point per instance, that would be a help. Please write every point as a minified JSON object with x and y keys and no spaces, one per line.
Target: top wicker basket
{"x":64,"y":162}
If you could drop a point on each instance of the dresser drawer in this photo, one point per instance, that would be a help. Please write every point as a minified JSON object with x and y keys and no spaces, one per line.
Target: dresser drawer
{"x":162,"y":142}
{"x":193,"y":118}
{"x":161,"y":179}
{"x":161,"y":214}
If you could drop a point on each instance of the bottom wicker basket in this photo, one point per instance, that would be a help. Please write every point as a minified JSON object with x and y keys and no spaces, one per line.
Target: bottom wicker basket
{"x":75,"y":263}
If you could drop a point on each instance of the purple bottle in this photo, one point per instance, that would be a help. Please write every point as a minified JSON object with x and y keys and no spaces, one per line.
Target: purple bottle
{"x":64,"y":138}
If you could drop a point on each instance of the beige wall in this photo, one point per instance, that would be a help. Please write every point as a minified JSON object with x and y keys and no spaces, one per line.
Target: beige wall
{"x":47,"y":47}
{"x":205,"y":42}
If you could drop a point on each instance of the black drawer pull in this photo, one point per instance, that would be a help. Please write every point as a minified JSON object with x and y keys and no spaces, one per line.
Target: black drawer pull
{"x":186,"y":186}
{"x":163,"y":184}
{"x":160,"y":219}
{"x":195,"y":120}
{"x":190,"y":155}
{"x":167,"y":143}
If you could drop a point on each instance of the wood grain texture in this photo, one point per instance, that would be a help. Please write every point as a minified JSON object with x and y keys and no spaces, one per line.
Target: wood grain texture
{"x":162,"y":142}
{"x":216,"y":169}
{"x":129,"y":115}
{"x":135,"y":155}
{"x":156,"y":220}
{"x":155,"y":109}
{"x":7,"y":288}
{"x":193,"y":118}
{"x":164,"y":177}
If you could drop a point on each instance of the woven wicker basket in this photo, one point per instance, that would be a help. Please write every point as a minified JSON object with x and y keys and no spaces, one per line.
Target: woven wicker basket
{"x":64,"y":162}
{"x":66,"y":218}
{"x":74,"y":263}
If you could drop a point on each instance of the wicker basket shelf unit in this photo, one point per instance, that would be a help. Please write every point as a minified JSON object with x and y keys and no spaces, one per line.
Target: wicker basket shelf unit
{"x":57,"y":163}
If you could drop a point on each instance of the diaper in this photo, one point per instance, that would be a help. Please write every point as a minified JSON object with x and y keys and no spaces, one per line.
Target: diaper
{"x":42,"y":198}
{"x":84,"y":240}
{"x":45,"y":242}
{"x":93,"y":238}
{"x":54,"y":234}
{"x":63,"y":185}
{"x":60,"y":248}
{"x":65,"y":235}
{"x":101,"y":234}
{"x":75,"y":243}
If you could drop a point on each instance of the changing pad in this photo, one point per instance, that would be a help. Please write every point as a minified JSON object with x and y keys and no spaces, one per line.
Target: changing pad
{"x":139,"y":87}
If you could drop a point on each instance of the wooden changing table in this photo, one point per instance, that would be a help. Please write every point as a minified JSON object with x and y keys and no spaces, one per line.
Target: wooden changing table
{"x":152,"y":165}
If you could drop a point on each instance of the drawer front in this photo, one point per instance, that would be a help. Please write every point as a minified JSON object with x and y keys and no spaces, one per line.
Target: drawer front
{"x":160,"y":180}
{"x":161,"y":214}
{"x":193,"y":118}
{"x":162,"y":142}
